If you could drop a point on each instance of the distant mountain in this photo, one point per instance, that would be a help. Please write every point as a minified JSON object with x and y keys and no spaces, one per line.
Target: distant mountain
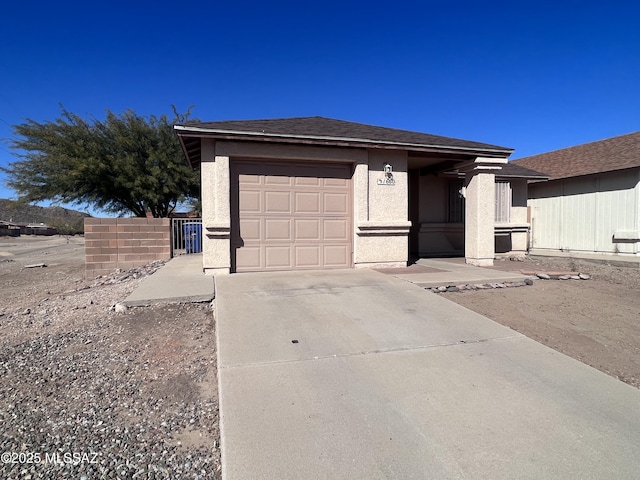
{"x":22,"y":213}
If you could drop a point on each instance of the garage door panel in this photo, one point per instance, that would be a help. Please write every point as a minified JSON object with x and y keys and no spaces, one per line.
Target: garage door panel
{"x":279,"y":180}
{"x":250,"y":201}
{"x":307,"y":229}
{"x":277,"y":257}
{"x":336,"y":204}
{"x":341,"y":183}
{"x":336,"y":256}
{"x":277,"y":229}
{"x":308,"y":256}
{"x":248,"y":258}
{"x":244,"y":179}
{"x":307,"y":182}
{"x":291,"y":216}
{"x":335,"y":230}
{"x":277,"y":202}
{"x":307,"y":202}
{"x":250,"y":229}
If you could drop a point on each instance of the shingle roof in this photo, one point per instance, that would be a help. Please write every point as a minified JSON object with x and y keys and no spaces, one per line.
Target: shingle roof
{"x":617,"y":153}
{"x":511,"y":170}
{"x":328,"y":131}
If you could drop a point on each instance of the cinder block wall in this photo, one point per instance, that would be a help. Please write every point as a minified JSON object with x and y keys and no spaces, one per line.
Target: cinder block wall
{"x":112,"y":243}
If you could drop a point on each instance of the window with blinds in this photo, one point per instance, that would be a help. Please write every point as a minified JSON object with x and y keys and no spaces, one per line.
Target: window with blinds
{"x":456,"y":202}
{"x":503,"y":202}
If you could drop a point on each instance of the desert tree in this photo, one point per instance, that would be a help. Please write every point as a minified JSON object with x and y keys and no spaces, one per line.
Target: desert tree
{"x":126,"y":163}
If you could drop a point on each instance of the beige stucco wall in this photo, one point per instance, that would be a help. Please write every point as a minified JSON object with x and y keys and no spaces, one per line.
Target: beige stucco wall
{"x":388,"y":202}
{"x":518,"y":200}
{"x":382,"y":222}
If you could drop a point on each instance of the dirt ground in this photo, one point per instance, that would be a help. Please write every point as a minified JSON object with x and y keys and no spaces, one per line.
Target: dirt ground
{"x":137,"y":389}
{"x":596,"y":321}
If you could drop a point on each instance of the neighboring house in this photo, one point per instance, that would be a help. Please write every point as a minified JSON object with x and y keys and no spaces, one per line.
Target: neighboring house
{"x":9,"y":229}
{"x":40,"y":229}
{"x":15,"y":230}
{"x":591,"y":202}
{"x":314,"y":193}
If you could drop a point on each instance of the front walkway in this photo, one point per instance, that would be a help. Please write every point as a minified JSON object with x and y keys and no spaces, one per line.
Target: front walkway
{"x":428,"y":272}
{"x":180,"y":280}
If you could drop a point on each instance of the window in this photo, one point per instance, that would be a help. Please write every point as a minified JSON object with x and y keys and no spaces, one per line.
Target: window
{"x":456,"y":202}
{"x":503,"y":202}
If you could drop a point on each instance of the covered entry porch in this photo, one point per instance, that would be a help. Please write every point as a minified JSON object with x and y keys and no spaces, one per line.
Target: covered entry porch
{"x":477,"y":210}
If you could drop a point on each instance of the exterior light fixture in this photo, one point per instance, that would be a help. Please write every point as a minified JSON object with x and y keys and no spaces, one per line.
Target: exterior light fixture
{"x":388,"y":175}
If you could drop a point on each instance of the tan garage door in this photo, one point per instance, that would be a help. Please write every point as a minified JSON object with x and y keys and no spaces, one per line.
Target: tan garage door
{"x":290,"y":216}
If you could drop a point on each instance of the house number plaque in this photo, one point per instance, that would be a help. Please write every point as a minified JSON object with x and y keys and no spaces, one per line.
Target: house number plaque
{"x":388,"y":176}
{"x":386,"y":181}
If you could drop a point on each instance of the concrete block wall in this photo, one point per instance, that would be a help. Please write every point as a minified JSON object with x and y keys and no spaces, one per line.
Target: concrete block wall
{"x":113,"y":243}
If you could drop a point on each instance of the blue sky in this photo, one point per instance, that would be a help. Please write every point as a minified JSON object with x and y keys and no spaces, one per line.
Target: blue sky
{"x":533,"y":75}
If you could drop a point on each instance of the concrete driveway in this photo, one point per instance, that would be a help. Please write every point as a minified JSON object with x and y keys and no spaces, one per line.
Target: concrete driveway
{"x":357,"y":375}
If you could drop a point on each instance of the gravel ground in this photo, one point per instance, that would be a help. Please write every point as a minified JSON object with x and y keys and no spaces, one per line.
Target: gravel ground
{"x":86,"y":392}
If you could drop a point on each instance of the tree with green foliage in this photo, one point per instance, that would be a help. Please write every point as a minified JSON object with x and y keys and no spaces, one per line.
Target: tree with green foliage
{"x":67,"y":228}
{"x":124,"y":164}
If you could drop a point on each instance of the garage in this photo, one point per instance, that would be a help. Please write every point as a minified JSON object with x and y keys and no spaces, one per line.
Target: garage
{"x":290,"y":216}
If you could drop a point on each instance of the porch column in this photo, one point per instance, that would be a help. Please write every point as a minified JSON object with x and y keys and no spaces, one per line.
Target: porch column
{"x":479,"y":221}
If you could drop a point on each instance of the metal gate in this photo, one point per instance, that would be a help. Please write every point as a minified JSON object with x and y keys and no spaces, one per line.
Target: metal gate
{"x":186,"y":236}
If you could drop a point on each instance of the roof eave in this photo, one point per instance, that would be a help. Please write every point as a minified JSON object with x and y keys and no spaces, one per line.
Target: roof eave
{"x":540,"y":178}
{"x":220,"y":134}
{"x":184,"y":150}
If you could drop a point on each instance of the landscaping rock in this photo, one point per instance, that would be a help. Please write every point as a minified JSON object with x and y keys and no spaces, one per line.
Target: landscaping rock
{"x":120,"y":308}
{"x":543,"y":276}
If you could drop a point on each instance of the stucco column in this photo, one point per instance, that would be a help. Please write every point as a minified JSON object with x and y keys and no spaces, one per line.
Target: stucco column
{"x":479,"y":241}
{"x":480,"y":200}
{"x":216,"y":219}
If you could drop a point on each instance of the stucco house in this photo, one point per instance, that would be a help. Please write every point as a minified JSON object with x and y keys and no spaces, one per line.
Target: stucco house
{"x":591,"y":203}
{"x":315,"y":193}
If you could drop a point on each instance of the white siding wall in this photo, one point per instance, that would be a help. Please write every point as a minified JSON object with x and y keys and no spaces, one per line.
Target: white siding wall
{"x":582,"y":214}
